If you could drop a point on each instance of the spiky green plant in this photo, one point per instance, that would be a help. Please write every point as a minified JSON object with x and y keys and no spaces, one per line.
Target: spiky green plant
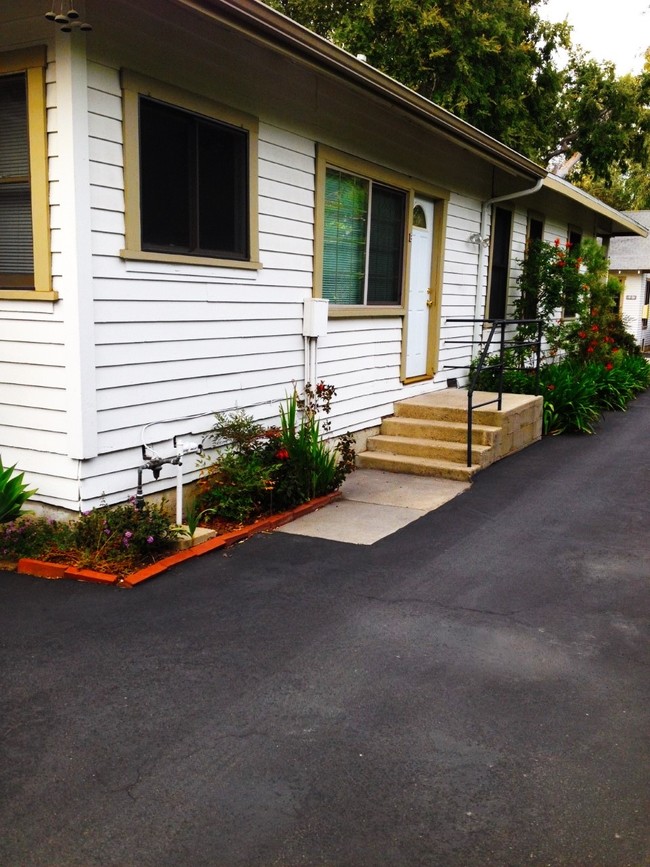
{"x":13,"y":493}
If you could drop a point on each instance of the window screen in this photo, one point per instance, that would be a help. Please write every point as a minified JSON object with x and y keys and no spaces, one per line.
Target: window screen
{"x":16,"y":245}
{"x":363,"y":244}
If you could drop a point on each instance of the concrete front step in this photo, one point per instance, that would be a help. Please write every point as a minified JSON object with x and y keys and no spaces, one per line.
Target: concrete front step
{"x":420,"y":447}
{"x":428,"y":434}
{"x":449,"y":431}
{"x":417,"y":466}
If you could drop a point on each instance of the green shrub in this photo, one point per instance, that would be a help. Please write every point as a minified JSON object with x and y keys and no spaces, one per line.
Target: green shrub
{"x":116,"y":539}
{"x":638,"y":369}
{"x":236,"y":485}
{"x":262,"y":471}
{"x":570,"y":399}
{"x":516,"y":379}
{"x":13,"y":493}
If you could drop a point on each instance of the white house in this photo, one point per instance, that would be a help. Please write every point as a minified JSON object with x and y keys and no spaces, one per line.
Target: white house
{"x":629,"y":261}
{"x":180,"y":181}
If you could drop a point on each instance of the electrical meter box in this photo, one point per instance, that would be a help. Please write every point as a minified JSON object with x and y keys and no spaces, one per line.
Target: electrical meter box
{"x":314,"y":323}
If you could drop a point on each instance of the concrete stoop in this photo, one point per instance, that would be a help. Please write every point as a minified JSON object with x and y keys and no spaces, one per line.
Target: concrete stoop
{"x":427,"y":435}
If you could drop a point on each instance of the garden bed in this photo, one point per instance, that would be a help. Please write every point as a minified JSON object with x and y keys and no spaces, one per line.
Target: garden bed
{"x":50,"y":570}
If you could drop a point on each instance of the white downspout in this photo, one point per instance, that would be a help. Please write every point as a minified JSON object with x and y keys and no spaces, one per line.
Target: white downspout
{"x":481,"y":259}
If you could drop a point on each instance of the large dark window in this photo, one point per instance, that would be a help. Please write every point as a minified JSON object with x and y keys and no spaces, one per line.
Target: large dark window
{"x":363,"y":256}
{"x":193,"y":184}
{"x":573,"y":251}
{"x":499,"y":263}
{"x":535,"y":239}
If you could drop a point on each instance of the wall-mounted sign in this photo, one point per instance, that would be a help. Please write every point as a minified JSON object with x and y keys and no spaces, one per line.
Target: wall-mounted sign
{"x":630,"y":297}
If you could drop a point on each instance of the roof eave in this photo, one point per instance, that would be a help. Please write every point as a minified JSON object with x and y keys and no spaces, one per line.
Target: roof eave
{"x":268,"y":26}
{"x":625,"y":225}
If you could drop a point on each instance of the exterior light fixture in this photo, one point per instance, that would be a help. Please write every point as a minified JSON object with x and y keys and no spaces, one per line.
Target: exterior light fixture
{"x":66,"y":16}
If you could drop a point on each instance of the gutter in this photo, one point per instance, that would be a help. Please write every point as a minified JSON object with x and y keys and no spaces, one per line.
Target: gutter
{"x":254,"y":19}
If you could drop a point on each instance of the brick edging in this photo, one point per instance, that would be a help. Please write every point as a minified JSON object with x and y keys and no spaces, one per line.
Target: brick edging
{"x":55,"y":571}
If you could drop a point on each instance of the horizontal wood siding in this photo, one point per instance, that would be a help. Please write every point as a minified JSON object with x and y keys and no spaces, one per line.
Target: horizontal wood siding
{"x":178,"y":341}
{"x":33,"y":418}
{"x":459,"y":293}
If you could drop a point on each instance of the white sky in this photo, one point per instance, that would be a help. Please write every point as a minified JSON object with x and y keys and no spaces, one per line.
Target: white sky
{"x":616,"y":30}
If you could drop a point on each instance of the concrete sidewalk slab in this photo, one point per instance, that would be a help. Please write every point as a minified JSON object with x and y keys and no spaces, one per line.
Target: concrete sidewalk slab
{"x":374,"y":505}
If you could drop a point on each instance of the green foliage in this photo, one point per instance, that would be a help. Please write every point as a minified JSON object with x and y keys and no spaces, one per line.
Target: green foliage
{"x":570,"y":399}
{"x":193,"y":516}
{"x":116,"y":539}
{"x":494,"y":65}
{"x":236,"y":485}
{"x":639,"y":369}
{"x":13,"y":493}
{"x":262,"y":471}
{"x":237,"y":428}
{"x":491,"y":64}
{"x":517,"y":379}
{"x":625,"y":190}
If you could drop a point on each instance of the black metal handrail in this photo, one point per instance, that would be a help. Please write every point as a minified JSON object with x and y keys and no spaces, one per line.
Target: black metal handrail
{"x":505,"y":342}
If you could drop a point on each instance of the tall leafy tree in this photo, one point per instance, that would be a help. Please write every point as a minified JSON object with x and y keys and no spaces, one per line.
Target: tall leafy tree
{"x":495,"y":65}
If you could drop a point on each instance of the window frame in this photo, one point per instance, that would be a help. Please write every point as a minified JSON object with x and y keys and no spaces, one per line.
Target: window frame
{"x":133,"y":87}
{"x":489,"y":301}
{"x":573,"y":231}
{"x":32,"y":62}
{"x":534,"y":219}
{"x":330,"y":158}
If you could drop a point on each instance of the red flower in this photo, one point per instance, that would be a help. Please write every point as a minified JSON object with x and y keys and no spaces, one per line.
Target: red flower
{"x":557,"y":242}
{"x":590,"y":349}
{"x":595,"y":328}
{"x":320,"y":388}
{"x":609,"y":365}
{"x":282,"y":454}
{"x":582,"y":334}
{"x":615,"y":350}
{"x":550,"y":387}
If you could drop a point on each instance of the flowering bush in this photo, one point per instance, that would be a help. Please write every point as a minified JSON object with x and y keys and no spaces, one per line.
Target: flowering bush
{"x":550,"y":280}
{"x":260,"y":471}
{"x":116,"y":539}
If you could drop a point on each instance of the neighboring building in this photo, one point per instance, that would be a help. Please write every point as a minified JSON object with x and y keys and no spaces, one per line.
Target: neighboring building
{"x":180,"y":182}
{"x":629,"y":261}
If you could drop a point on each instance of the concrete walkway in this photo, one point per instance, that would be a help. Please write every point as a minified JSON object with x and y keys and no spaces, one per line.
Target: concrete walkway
{"x":470,"y":690}
{"x":375,"y":504}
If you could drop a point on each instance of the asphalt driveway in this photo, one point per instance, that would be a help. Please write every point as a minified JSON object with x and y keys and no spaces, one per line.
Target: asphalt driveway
{"x":471,"y":690}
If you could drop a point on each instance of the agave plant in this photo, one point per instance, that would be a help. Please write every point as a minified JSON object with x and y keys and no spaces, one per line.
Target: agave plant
{"x":13,"y":493}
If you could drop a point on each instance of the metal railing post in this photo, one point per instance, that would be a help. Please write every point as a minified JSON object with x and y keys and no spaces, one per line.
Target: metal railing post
{"x":482,"y":356}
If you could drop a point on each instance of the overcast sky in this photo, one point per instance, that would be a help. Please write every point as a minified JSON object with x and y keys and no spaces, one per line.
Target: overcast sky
{"x":618,"y":31}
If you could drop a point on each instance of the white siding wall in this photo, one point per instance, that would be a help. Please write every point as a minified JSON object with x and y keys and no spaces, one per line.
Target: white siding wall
{"x":175,"y":343}
{"x":632,"y":307}
{"x":33,"y":418}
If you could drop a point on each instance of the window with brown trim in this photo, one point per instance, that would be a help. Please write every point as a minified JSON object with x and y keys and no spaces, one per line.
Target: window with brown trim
{"x":24,"y":209}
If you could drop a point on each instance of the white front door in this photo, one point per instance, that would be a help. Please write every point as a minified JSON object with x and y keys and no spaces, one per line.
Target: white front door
{"x":419,"y":295}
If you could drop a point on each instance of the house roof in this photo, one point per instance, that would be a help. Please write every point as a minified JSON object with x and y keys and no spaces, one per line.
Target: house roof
{"x":259,"y":21}
{"x":622,"y":222}
{"x":631,"y":254}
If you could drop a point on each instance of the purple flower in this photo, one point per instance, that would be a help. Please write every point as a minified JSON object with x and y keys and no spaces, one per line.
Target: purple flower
{"x":149,"y":540}
{"x":128,"y":534}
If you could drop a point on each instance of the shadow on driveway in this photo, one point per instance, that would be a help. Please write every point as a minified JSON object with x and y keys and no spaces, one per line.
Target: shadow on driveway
{"x":471,"y":690}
